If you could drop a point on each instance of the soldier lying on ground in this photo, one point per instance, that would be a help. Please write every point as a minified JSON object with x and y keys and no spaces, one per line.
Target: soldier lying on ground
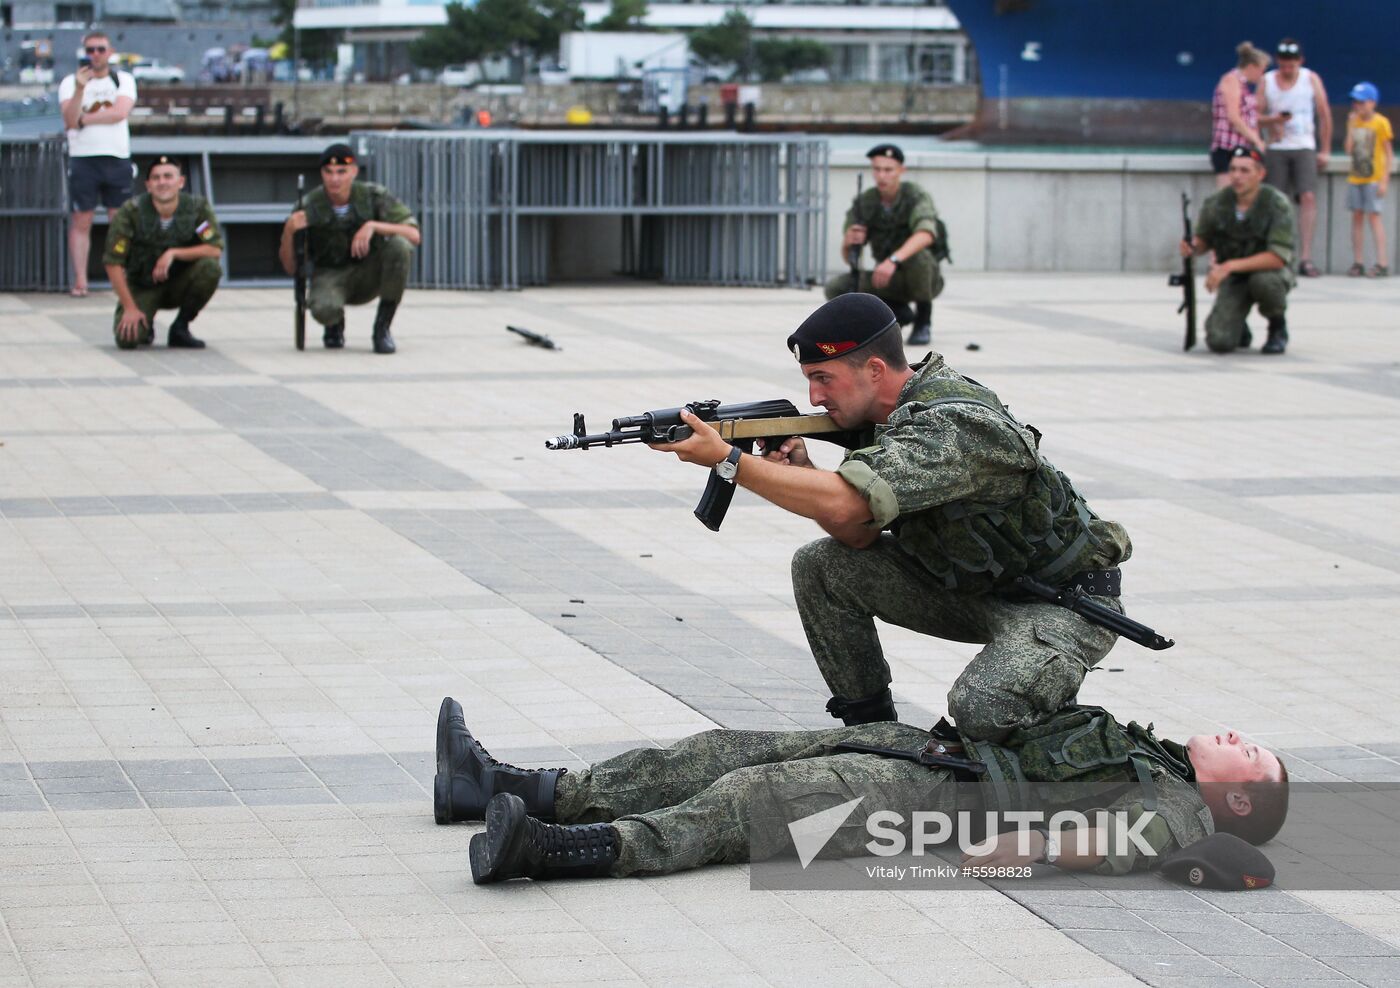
{"x":704,"y":799}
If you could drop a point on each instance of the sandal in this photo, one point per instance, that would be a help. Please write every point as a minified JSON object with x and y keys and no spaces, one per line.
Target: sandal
{"x":1309,"y":270}
{"x":78,"y":291}
{"x":1356,"y":271}
{"x":1378,"y":271}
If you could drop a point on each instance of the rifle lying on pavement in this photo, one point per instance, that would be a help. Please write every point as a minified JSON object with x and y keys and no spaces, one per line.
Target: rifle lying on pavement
{"x":739,"y":425}
{"x":1186,"y":280}
{"x":299,"y":285}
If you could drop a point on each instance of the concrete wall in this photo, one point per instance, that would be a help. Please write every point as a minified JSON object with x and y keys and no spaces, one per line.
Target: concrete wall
{"x":1009,"y":211}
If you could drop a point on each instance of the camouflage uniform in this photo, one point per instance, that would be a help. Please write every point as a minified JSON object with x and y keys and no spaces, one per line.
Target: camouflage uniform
{"x":918,"y":278}
{"x":339,"y":279}
{"x":934,"y":463}
{"x":136,"y":241}
{"x":1267,"y":226}
{"x":706,"y":799}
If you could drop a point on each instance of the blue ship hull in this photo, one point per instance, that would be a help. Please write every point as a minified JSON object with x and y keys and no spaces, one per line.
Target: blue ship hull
{"x":1060,"y":69}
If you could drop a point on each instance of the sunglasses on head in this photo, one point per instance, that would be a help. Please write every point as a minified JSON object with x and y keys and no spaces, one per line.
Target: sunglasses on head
{"x":94,"y":49}
{"x":1288,"y":49}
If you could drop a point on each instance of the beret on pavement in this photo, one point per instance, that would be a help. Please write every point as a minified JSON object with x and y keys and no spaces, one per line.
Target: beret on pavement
{"x":1220,"y":861}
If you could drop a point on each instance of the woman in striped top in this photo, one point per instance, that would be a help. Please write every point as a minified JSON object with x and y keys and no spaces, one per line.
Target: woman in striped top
{"x":1234,"y":111}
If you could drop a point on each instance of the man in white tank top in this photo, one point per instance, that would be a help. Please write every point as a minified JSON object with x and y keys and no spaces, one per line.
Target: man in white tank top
{"x":1294,"y":114}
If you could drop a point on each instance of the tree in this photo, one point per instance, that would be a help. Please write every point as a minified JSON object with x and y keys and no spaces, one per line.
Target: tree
{"x":496,"y":27}
{"x":730,"y":42}
{"x":625,"y":15}
{"x":316,"y":47}
{"x":778,"y":58}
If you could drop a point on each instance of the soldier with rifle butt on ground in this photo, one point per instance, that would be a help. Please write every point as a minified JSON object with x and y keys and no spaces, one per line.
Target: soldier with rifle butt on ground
{"x":899,"y":222}
{"x":162,"y":252}
{"x":1249,"y":226}
{"x":360,"y":241}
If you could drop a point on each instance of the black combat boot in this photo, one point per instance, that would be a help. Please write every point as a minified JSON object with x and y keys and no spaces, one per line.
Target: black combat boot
{"x":923,"y":323}
{"x":467,"y":775}
{"x":333,"y":336}
{"x":383,"y":340}
{"x":1278,"y":336}
{"x":516,"y":846}
{"x":873,"y":709}
{"x":180,"y":335}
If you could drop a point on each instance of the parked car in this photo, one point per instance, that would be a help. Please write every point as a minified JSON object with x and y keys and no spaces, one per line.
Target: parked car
{"x":460,"y":75}
{"x":154,"y":70}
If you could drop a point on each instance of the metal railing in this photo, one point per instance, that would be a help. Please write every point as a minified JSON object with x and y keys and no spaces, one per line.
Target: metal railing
{"x":701,"y":209}
{"x":33,"y":214}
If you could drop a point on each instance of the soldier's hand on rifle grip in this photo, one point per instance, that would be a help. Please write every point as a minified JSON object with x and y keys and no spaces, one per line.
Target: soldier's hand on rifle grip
{"x":297,"y":221}
{"x":855,"y":235}
{"x":705,"y":447}
{"x":792,"y":452}
{"x":1187,"y":250}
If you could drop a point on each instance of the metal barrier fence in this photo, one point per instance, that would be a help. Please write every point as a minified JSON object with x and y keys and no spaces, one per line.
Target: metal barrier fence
{"x":33,"y":214}
{"x":701,"y":209}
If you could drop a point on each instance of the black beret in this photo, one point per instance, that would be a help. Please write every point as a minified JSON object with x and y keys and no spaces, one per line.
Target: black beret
{"x":886,"y":151}
{"x":164,"y":159}
{"x":1220,"y":861}
{"x":846,"y":323}
{"x":338,"y":154}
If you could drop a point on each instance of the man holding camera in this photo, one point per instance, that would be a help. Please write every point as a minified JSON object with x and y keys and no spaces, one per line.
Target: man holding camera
{"x":1293,"y":108}
{"x":96,"y":100}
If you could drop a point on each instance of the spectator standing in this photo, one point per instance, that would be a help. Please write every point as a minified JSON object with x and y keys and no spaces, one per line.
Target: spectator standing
{"x":1370,"y":144}
{"x":1294,"y":109}
{"x":96,"y":100}
{"x":1234,"y":111}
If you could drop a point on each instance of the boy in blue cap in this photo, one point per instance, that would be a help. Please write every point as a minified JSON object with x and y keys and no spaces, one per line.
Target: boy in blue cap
{"x":1370,"y":145}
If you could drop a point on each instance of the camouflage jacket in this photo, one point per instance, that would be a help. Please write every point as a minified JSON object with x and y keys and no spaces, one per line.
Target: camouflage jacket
{"x":933,"y":464}
{"x":136,"y":240}
{"x":1268,"y":225}
{"x":888,"y":227}
{"x":330,"y":234}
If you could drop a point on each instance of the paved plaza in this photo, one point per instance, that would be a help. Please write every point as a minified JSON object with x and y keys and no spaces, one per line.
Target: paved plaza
{"x":236,"y":584}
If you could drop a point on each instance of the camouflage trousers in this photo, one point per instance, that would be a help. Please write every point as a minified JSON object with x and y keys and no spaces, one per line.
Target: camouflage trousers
{"x":188,"y":289}
{"x":723,"y":797}
{"x":382,"y":275}
{"x":918,"y":279}
{"x":1036,"y":657}
{"x":1234,"y":298}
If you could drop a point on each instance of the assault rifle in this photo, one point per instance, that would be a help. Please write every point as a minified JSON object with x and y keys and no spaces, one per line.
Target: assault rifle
{"x":299,"y":285}
{"x":739,"y":425}
{"x":1186,"y":280}
{"x":853,"y":254}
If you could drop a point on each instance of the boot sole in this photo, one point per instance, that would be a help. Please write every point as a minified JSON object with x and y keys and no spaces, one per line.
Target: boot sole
{"x":499,"y":842}
{"x":442,"y":782}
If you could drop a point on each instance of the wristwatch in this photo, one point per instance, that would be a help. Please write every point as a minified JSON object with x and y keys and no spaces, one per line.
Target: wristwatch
{"x":728,"y":468}
{"x":1051,"y":853}
{"x":894,"y":259}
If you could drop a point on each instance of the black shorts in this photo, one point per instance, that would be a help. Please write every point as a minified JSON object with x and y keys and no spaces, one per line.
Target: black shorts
{"x":98,"y":179}
{"x":1220,"y":159}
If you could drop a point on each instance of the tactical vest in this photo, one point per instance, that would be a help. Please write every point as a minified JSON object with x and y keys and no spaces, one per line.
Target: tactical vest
{"x":982,"y":548}
{"x":1080,"y":757}
{"x":329,"y":235}
{"x":886,"y":230}
{"x":150,"y":241}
